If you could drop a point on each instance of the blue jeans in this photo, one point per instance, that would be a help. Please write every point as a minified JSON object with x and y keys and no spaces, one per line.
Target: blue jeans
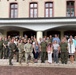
{"x":55,"y":53}
{"x":36,"y":55}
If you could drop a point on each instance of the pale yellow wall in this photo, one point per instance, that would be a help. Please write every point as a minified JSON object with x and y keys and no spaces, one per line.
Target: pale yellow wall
{"x":23,"y":8}
{"x":4,"y":9}
{"x":59,"y":8}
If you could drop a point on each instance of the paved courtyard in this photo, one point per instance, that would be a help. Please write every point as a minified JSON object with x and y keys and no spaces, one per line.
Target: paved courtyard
{"x":4,"y":62}
{"x":19,"y":70}
{"x":36,"y":68}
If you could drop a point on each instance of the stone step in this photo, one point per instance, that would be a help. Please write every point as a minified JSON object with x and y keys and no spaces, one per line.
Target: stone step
{"x":5,"y":62}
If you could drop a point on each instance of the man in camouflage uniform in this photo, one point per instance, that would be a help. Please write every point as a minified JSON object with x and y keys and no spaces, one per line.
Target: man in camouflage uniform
{"x":21,"y":50}
{"x":5,"y":48}
{"x":12,"y":51}
{"x":1,"y":48}
{"x":64,"y":51}
{"x":43,"y":46}
{"x":28,"y":51}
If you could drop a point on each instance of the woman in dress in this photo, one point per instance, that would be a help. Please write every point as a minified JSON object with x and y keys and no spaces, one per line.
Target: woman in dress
{"x":49,"y":52}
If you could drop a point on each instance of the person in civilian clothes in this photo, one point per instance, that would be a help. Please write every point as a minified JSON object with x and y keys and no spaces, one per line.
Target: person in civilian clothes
{"x":49,"y":52}
{"x":56,"y":47}
{"x":71,"y":50}
{"x":36,"y":50}
{"x":75,"y":48}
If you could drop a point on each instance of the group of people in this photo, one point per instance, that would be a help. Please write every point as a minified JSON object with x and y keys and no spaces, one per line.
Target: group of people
{"x":47,"y":48}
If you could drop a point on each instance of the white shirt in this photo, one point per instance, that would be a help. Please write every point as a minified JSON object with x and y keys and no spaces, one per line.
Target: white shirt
{"x":55,"y":46}
{"x":72,"y":48}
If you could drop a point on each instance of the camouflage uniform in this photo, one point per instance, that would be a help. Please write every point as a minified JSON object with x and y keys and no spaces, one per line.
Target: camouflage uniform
{"x":12,"y":51}
{"x":1,"y":49}
{"x":5,"y":49}
{"x":28,"y":51}
{"x":43,"y":51}
{"x":64,"y":52}
{"x":21,"y":51}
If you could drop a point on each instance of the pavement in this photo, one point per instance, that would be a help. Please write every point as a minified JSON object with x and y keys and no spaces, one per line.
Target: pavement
{"x":20,"y":70}
{"x":5,"y":62}
{"x":36,"y":68}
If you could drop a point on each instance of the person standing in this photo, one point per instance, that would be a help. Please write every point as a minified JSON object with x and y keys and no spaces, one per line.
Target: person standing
{"x":12,"y":51}
{"x":28,"y":51}
{"x":43,"y":47}
{"x":49,"y":52}
{"x":1,"y":48}
{"x":5,"y":48}
{"x":56,"y":38}
{"x":64,"y":51}
{"x":71,"y":38}
{"x":56,"y":47}
{"x":71,"y":50}
{"x":21,"y":50}
{"x":75,"y":48}
{"x":36,"y":50}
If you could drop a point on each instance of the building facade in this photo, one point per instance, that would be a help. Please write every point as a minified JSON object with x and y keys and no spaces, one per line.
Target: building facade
{"x":37,"y":17}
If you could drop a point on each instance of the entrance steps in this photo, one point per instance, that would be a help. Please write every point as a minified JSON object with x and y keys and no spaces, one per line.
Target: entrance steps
{"x":5,"y":62}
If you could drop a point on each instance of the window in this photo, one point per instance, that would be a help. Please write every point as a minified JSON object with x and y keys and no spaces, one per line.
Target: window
{"x":49,"y":9}
{"x":70,"y":9}
{"x":13,"y":10}
{"x":33,"y":10}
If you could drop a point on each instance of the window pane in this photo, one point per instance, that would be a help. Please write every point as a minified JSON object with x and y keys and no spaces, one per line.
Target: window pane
{"x":47,"y":5}
{"x":68,"y":9}
{"x":47,"y":13}
{"x":35,"y":5}
{"x":16,"y":13}
{"x":72,"y":3}
{"x":31,"y":12}
{"x":31,"y":5}
{"x":51,"y":12}
{"x":12,"y":5}
{"x":35,"y":15}
{"x":51,"y":4}
{"x":35,"y":12}
{"x":16,"y":6}
{"x":72,"y":11}
{"x":72,"y":14}
{"x":68,"y":14}
{"x":12,"y":13}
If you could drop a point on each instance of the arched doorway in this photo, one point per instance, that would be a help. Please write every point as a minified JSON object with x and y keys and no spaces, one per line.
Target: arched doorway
{"x":29,"y":33}
{"x":13,"y":33}
{"x":52,"y":32}
{"x":70,"y":32}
